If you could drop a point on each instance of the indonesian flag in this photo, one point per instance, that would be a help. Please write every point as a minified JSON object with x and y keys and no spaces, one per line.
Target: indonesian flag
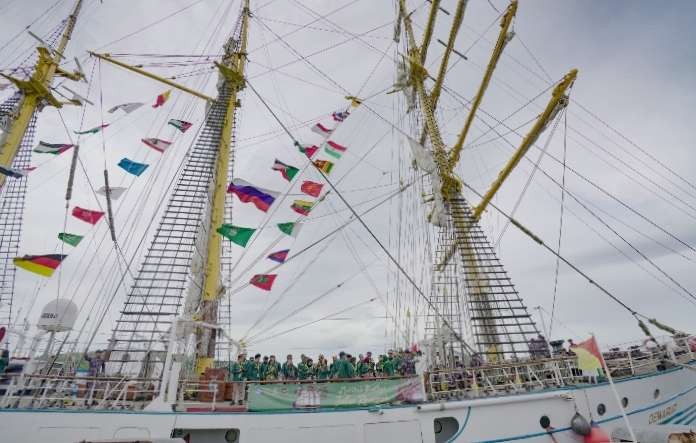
{"x":589,"y":357}
{"x":321,"y":129}
{"x":162,"y":99}
{"x":311,"y":188}
{"x":263,"y":281}
{"x":157,"y":144}
{"x":87,"y":215}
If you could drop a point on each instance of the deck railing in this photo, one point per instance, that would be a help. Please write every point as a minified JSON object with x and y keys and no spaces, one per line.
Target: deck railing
{"x":510,"y":377}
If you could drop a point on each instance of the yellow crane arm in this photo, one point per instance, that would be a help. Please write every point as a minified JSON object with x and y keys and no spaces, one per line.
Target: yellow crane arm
{"x":558,"y":99}
{"x":503,"y":38}
{"x":166,"y":81}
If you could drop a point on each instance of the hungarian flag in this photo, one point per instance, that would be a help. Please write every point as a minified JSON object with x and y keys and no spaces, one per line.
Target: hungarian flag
{"x":93,"y":130}
{"x":311,"y":188}
{"x":236,"y":234}
{"x":86,"y":215}
{"x":589,"y":356}
{"x":302,"y":207}
{"x":263,"y":281}
{"x":288,"y":172}
{"x":71,"y":239}
{"x":162,"y":99}
{"x":115,"y":191}
{"x":334,"y":149}
{"x":180,"y":124}
{"x":321,"y":129}
{"x":324,"y":166}
{"x":157,"y":144}
{"x":40,"y":264}
{"x":126,"y":107}
{"x":309,"y":151}
{"x":290,"y":228}
{"x":52,"y":148}
{"x":339,"y":116}
{"x":279,"y":256}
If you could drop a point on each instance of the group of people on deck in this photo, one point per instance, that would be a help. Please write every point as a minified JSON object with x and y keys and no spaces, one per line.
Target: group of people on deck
{"x":342,"y":366}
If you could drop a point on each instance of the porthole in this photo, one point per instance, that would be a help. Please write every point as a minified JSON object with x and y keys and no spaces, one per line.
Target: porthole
{"x":624,"y":402}
{"x":232,"y":436}
{"x":545,"y":422}
{"x":601,"y":409}
{"x":656,"y":394}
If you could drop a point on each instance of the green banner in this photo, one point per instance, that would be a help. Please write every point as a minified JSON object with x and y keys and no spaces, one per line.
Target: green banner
{"x":333,"y":394}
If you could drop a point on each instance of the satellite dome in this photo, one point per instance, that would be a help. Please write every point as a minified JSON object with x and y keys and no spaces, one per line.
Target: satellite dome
{"x":58,"y":316}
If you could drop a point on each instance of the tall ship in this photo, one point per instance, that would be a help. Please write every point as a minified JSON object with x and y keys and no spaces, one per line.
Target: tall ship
{"x":298,"y":236}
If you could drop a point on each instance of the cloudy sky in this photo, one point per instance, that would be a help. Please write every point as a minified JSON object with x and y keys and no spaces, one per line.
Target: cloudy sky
{"x":635,"y":65}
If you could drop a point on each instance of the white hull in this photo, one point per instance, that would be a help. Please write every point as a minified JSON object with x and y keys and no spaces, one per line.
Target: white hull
{"x":497,"y":419}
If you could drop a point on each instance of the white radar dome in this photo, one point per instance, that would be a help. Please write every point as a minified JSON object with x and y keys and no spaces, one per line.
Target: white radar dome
{"x":58,"y":316}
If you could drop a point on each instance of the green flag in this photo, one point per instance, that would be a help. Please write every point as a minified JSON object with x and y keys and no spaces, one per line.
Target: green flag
{"x":236,"y":234}
{"x":290,"y":228}
{"x":71,"y":239}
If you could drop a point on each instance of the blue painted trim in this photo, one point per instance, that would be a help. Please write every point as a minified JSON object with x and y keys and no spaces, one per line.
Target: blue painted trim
{"x":608,"y":419}
{"x":462,"y":427}
{"x":687,"y":417}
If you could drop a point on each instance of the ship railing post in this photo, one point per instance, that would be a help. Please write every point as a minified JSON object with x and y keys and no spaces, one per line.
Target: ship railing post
{"x":630,"y":363}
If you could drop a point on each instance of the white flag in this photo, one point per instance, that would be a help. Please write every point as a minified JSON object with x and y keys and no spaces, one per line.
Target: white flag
{"x":126,"y":107}
{"x":115,"y":192}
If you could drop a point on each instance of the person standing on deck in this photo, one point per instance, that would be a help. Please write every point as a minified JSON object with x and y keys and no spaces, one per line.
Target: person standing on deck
{"x":303,"y":368}
{"x":252,"y":368}
{"x":333,"y":367}
{"x":289,"y":369}
{"x":264,"y":368}
{"x":344,"y":367}
{"x":236,"y":374}
{"x":272,"y":369}
{"x":321,"y":369}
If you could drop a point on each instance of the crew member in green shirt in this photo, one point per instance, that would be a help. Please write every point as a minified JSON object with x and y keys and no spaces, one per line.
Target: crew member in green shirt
{"x":321,"y":369}
{"x":252,"y":368}
{"x":236,"y":374}
{"x":345,"y":368}
{"x":289,"y":369}
{"x":303,"y":368}
{"x":272,"y":369}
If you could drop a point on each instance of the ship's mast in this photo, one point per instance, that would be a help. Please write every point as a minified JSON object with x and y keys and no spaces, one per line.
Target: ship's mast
{"x":19,"y":114}
{"x":232,"y":68}
{"x":36,"y":91}
{"x":498,"y":321}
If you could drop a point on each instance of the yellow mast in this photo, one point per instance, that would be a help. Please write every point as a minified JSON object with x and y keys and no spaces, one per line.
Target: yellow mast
{"x":37,"y":89}
{"x":503,"y":37}
{"x":558,"y":100}
{"x":232,"y":68}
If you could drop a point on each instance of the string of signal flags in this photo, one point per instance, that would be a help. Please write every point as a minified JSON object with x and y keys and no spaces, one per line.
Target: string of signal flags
{"x":46,"y":264}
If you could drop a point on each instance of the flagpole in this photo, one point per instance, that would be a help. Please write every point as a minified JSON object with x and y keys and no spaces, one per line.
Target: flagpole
{"x":616,"y":395}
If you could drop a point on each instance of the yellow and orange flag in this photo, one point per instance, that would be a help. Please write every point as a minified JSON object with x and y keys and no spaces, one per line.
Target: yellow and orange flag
{"x":589,"y":357}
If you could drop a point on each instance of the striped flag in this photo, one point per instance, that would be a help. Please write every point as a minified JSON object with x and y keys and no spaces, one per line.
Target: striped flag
{"x":52,"y":148}
{"x":43,"y":265}
{"x":11,"y":172}
{"x":334,"y":149}
{"x":321,"y":129}
{"x":302,"y":207}
{"x":248,"y":193}
{"x":92,"y":130}
{"x":324,"y":166}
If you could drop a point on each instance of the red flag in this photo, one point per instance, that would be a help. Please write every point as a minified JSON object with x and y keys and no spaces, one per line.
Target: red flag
{"x":162,"y":99}
{"x":311,"y":188}
{"x":91,"y":217}
{"x":263,"y":281}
